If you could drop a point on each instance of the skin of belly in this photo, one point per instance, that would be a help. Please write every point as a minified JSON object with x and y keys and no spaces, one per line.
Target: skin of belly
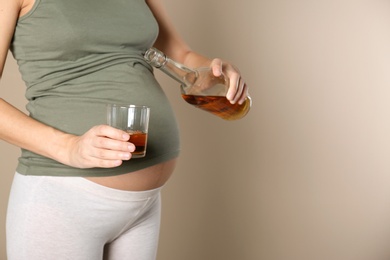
{"x":146,"y":179}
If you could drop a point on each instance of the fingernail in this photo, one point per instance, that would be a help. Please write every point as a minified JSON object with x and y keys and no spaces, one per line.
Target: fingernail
{"x":131,"y":148}
{"x":126,"y":156}
{"x":118,"y":162}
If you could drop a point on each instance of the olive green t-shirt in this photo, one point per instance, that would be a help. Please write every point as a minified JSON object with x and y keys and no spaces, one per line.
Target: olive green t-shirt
{"x":76,"y":56}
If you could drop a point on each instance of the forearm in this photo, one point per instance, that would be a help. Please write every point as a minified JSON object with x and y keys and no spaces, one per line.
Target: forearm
{"x":21,"y":130}
{"x":171,"y":43}
{"x":195,"y":60}
{"x":101,"y":146}
{"x":181,"y":53}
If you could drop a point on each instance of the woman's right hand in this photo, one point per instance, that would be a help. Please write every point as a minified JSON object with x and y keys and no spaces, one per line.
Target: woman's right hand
{"x":102,"y":146}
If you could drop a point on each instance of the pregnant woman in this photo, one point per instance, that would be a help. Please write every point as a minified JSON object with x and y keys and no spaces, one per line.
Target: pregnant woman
{"x":77,"y":193}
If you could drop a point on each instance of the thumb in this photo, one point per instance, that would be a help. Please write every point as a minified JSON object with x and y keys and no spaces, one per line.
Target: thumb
{"x":216,"y":66}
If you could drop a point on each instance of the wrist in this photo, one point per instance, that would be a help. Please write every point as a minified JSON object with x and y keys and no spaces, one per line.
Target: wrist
{"x":60,"y":148}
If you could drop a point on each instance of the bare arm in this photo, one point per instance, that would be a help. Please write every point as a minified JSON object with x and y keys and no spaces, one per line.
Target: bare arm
{"x":171,"y":43}
{"x":102,"y":146}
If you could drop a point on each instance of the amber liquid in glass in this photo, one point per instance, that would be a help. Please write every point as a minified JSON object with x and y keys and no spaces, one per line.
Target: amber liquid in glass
{"x":219,"y":106}
{"x":139,"y":139}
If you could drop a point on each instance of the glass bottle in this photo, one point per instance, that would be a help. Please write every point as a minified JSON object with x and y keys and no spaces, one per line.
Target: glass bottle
{"x":199,"y":87}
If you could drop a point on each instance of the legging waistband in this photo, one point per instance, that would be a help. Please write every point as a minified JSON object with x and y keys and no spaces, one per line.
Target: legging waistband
{"x":94,"y":188}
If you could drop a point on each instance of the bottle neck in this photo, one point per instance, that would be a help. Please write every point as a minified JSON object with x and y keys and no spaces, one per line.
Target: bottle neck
{"x":175,"y":70}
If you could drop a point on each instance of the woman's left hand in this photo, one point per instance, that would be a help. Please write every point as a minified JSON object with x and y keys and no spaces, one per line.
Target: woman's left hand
{"x":238,"y":90}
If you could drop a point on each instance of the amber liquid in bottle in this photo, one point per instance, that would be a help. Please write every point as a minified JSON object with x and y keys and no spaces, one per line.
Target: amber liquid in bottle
{"x":199,"y":87}
{"x":219,"y":106}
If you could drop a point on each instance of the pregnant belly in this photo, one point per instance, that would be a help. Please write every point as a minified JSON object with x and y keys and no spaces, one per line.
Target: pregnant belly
{"x":145,"y":179}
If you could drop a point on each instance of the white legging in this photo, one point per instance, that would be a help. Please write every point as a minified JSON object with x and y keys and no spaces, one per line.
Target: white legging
{"x":72,"y":218}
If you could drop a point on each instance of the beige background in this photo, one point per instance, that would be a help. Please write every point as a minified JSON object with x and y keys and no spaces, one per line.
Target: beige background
{"x":306,"y":175}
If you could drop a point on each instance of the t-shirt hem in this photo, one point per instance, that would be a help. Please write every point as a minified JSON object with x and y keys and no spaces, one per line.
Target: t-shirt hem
{"x":63,"y":170}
